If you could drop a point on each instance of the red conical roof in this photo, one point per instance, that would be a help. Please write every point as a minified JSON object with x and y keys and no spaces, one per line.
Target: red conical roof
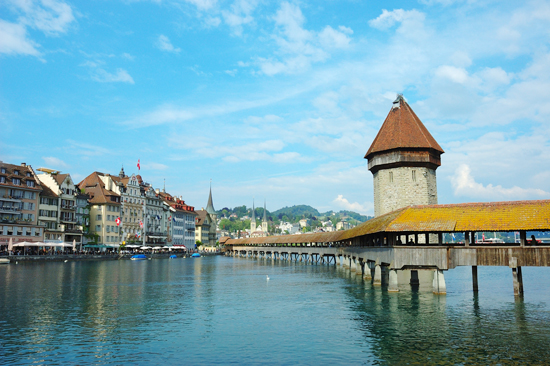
{"x":402,"y":129}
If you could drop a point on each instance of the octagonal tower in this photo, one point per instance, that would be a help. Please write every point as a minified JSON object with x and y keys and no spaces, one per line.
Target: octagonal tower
{"x":403,"y":158}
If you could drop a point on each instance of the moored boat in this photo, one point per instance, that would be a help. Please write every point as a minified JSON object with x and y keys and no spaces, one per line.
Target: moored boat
{"x":4,"y":260}
{"x":195,"y":255}
{"x":138,"y":257}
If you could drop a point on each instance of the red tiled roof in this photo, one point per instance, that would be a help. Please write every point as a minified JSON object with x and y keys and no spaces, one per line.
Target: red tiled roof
{"x":402,"y":129}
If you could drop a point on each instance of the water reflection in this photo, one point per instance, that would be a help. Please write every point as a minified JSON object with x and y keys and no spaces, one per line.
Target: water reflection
{"x":222,"y":310}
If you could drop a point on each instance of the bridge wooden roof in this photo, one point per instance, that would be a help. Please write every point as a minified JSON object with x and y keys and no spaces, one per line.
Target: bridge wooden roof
{"x":491,"y":216}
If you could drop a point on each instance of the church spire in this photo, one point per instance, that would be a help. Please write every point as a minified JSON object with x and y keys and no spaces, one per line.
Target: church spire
{"x":210,"y":205}
{"x":265,"y":216}
{"x":253,"y":219}
{"x":122,"y":174}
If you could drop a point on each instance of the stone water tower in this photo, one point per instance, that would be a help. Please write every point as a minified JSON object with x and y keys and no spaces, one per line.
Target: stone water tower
{"x":403,"y":158}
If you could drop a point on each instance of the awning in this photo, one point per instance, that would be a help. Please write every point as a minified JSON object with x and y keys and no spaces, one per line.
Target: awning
{"x":40,"y":244}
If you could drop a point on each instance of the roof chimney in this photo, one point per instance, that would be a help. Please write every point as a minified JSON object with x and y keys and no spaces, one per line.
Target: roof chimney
{"x":23,"y":164}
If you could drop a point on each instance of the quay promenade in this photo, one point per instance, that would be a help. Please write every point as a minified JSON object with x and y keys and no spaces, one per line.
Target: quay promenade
{"x":410,"y":239}
{"x":91,"y":257}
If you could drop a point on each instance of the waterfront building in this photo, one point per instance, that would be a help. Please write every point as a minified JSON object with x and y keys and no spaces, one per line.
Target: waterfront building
{"x":48,"y":212}
{"x":62,"y":186}
{"x":133,"y":206}
{"x":19,"y":197}
{"x":180,"y":223}
{"x":83,"y":215}
{"x":154,"y":228}
{"x":203,"y":222}
{"x":105,"y":207}
{"x":403,"y":159}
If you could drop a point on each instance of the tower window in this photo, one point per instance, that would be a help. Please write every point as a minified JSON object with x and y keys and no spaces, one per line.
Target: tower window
{"x":391,"y":177}
{"x":414,"y":175}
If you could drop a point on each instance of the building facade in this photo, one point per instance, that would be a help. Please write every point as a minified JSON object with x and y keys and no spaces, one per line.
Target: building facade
{"x":105,"y":207}
{"x":63,"y":186}
{"x":19,"y":200}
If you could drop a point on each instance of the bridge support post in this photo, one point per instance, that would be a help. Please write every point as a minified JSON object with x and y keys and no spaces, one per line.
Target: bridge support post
{"x":352,"y":266}
{"x":516,"y":276}
{"x":392,"y":283}
{"x":414,"y":278}
{"x":474,"y":278}
{"x":358,"y":267}
{"x":439,"y":287}
{"x":377,"y":281}
{"x":518,"y":281}
{"x":366,"y":271}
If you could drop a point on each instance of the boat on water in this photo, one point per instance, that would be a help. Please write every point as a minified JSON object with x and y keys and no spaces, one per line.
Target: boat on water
{"x":173,"y":256}
{"x":4,"y":261}
{"x":195,"y":255}
{"x":138,"y":257}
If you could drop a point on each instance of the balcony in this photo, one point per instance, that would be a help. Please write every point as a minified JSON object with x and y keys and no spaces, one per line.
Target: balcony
{"x":7,"y":198}
{"x":68,"y":219}
{"x":10,"y":209}
{"x":68,"y":207}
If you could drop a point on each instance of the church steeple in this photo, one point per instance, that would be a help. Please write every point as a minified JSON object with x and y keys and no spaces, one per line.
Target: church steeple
{"x":264,"y":221}
{"x":121,"y":174}
{"x":253,"y":219}
{"x":210,"y":204}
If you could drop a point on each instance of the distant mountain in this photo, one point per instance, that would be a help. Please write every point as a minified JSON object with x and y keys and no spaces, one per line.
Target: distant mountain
{"x":300,"y":211}
{"x":294,"y":214}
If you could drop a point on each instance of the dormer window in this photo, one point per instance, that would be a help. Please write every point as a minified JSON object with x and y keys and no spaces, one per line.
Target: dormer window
{"x":28,"y":174}
{"x":30,"y":183}
{"x":16,"y":181}
{"x":16,"y":172}
{"x":3,"y":170}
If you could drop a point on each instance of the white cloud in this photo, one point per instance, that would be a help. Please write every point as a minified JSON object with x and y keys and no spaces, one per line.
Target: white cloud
{"x":344,"y":204}
{"x":155,"y":166}
{"x":298,"y":47}
{"x":388,"y":19}
{"x":164,"y":44}
{"x":120,"y":75}
{"x":13,"y":40}
{"x":203,"y":5}
{"x":239,"y":15}
{"x":54,"y":163}
{"x":464,"y":184}
{"x":452,"y":73}
{"x":332,"y":38}
{"x":83,"y":148}
{"x":49,"y":16}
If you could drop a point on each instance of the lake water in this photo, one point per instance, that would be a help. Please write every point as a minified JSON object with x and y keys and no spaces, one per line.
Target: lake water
{"x":222,"y":310}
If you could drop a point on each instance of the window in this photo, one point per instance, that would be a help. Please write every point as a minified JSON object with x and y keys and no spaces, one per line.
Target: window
{"x":3,"y":170}
{"x":391,"y":177}
{"x":98,"y":228}
{"x":98,"y":217}
{"x":16,"y":181}
{"x":16,"y":172}
{"x":2,"y":179}
{"x":414,"y":175}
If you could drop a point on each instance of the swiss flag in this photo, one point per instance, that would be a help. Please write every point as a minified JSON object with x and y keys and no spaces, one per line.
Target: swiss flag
{"x":139,"y":166}
{"x":117,"y":221}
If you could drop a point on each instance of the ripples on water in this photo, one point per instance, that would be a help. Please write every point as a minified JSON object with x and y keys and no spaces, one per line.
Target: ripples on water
{"x":218,"y":310}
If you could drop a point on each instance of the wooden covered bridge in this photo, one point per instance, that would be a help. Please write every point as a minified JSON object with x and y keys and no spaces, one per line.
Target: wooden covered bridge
{"x":419,"y":238}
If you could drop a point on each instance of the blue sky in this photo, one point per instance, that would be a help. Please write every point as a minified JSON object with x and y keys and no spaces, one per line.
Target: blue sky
{"x":277,"y":100}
